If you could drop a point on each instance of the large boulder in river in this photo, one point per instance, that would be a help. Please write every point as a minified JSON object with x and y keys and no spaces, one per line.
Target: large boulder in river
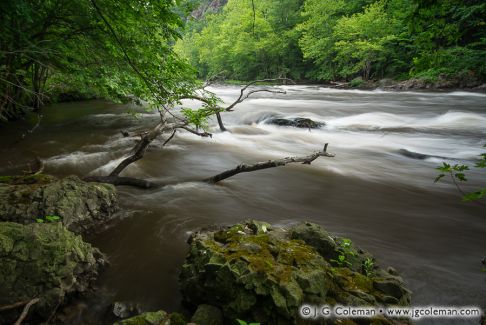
{"x":256,"y":272}
{"x":44,"y":261}
{"x":81,"y":205}
{"x":298,"y":122}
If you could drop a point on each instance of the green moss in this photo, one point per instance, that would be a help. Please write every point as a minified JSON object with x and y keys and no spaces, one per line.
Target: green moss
{"x":177,"y":319}
{"x":27,"y":179}
{"x":43,"y":260}
{"x":150,"y":318}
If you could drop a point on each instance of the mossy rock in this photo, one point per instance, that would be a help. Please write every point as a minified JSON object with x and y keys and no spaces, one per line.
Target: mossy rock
{"x":261,"y":273}
{"x":45,"y":261}
{"x":154,"y":318}
{"x":80,"y":205}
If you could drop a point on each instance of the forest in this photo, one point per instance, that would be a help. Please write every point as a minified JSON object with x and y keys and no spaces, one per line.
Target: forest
{"x":242,"y":162}
{"x":317,"y":40}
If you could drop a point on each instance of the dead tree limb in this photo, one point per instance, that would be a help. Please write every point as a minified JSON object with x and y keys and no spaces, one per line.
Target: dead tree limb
{"x":242,"y":90}
{"x":117,"y":180}
{"x":26,"y":311}
{"x":243,"y":168}
{"x":14,"y":305}
{"x":139,"y":150}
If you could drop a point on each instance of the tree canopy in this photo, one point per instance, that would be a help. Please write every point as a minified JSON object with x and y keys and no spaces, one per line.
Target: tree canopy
{"x":332,"y":40}
{"x":109,"y":48}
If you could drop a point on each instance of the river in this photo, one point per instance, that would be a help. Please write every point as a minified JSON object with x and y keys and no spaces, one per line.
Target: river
{"x":373,"y":191}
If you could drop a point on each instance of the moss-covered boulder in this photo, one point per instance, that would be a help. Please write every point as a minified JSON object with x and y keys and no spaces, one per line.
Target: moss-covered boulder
{"x":154,"y":318}
{"x":81,"y":205}
{"x":45,"y":261}
{"x":256,"y":272}
{"x":207,"y":315}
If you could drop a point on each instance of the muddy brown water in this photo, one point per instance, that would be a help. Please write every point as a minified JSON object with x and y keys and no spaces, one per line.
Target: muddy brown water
{"x":373,"y":191}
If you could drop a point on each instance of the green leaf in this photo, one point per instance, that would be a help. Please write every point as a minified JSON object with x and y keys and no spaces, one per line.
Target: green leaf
{"x":38,"y":220}
{"x":53,"y":218}
{"x":444,"y":168}
{"x":461,"y":177}
{"x":438,"y":178}
{"x":474,"y":196}
{"x":241,"y":322}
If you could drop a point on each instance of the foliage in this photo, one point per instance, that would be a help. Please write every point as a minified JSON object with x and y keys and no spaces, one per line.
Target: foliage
{"x":345,"y":251}
{"x":457,"y":173}
{"x":368,"y":267}
{"x":48,"y":219}
{"x":242,"y":322}
{"x":338,"y":39}
{"x":246,"y":42}
{"x":110,"y":48}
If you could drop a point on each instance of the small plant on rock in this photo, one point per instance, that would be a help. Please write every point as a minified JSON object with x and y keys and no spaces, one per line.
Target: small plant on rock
{"x":242,"y":322}
{"x":368,"y":267}
{"x":48,"y":219}
{"x":346,"y":250}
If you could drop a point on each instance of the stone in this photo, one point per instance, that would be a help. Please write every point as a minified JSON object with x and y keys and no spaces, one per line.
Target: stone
{"x":125,"y":309}
{"x":207,"y":315}
{"x":298,"y":122}
{"x":263,"y":273}
{"x":316,"y":237}
{"x":45,"y":261}
{"x":149,"y":318}
{"x":80,"y":205}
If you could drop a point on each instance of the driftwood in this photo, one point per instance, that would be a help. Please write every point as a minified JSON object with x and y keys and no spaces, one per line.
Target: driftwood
{"x":26,"y":311}
{"x":14,"y":305}
{"x":243,"y":168}
{"x":117,"y":180}
{"x":26,"y":303}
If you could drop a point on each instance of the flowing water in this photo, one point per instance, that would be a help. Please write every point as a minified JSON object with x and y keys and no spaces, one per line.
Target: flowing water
{"x":378,"y":190}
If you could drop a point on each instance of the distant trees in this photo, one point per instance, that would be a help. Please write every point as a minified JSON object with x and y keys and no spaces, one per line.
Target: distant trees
{"x":339,"y":39}
{"x":247,"y":42}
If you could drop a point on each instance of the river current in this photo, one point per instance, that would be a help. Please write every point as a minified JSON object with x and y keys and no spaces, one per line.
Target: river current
{"x":378,"y":190}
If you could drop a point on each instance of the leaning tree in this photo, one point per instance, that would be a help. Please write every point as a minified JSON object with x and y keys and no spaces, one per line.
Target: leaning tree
{"x":117,"y":50}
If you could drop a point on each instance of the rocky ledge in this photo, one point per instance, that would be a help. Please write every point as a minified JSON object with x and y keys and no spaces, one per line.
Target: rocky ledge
{"x":44,"y":261}
{"x":80,"y":205}
{"x":259,"y":273}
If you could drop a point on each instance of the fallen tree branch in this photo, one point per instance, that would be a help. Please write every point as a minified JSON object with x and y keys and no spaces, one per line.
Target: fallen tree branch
{"x":117,"y":180}
{"x":26,"y":311}
{"x":14,"y":305}
{"x":145,"y":184}
{"x":243,"y":168}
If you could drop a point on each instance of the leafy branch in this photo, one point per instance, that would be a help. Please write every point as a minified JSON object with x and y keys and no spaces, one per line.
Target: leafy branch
{"x":457,"y":175}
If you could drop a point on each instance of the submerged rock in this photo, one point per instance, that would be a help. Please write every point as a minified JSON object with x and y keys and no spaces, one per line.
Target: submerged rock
{"x":81,"y":205}
{"x":123,"y":309}
{"x":256,"y":272}
{"x":45,"y":261}
{"x":298,"y":122}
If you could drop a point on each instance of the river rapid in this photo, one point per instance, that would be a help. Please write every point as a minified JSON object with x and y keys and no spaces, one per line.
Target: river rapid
{"x":376,"y":190}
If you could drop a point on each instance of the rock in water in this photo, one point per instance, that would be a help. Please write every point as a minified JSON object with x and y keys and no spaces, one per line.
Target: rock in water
{"x":81,"y":205}
{"x":298,"y":122}
{"x":45,"y":261}
{"x":255,"y":272}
